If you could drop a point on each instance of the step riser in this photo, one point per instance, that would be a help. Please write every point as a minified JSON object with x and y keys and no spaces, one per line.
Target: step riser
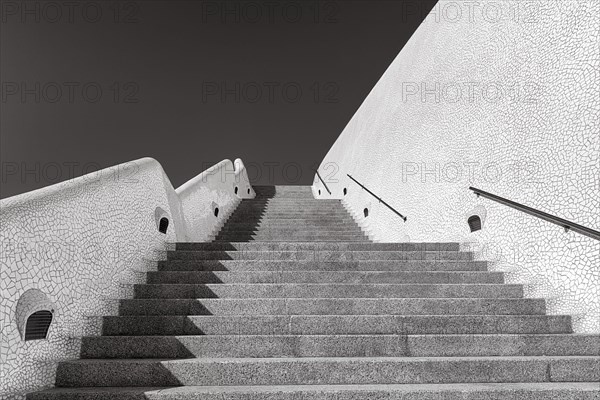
{"x":337,"y":346}
{"x":285,"y":228}
{"x":320,"y":255}
{"x":268,"y":233}
{"x":303,"y":226}
{"x":281,"y":200}
{"x":297,"y":224}
{"x":289,"y":196}
{"x":190,"y":291}
{"x":291,"y":218}
{"x":239,"y":265}
{"x":294,"y":229}
{"x":290,"y":206}
{"x":228,"y":239}
{"x":287,"y":218}
{"x":291,"y":221}
{"x":331,"y":216}
{"x":334,"y":371}
{"x":334,"y":325}
{"x":333,"y":307}
{"x":291,"y":213}
{"x":283,"y":246}
{"x":323,"y":277}
{"x":570,"y":391}
{"x":300,"y":213}
{"x":274,"y":235}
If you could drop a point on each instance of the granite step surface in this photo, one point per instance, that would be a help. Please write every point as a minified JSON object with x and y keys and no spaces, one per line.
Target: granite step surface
{"x":455,"y":391}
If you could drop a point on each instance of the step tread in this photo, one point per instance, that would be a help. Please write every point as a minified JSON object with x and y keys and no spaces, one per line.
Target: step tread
{"x":459,"y":387}
{"x":411,"y":335}
{"x":505,"y":285}
{"x":305,"y":360}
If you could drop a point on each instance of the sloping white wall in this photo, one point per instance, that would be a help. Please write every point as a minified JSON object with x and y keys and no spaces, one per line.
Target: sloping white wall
{"x":505,"y":98}
{"x":84,"y":242}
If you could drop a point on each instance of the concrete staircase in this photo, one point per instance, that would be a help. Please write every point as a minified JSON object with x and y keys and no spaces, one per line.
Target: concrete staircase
{"x":291,"y":301}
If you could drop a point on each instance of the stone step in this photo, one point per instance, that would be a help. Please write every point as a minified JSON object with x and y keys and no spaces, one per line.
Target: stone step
{"x":339,"y":246}
{"x":291,"y":231}
{"x":335,"y":324}
{"x":263,"y":346}
{"x":283,"y":216}
{"x":287,"y":199}
{"x":343,"y":306}
{"x":290,"y":219}
{"x":289,"y":195}
{"x":290,"y":206}
{"x":276,"y":190}
{"x":325,"y":255}
{"x":300,"y":222}
{"x":253,"y":213}
{"x":299,"y":210}
{"x":266,"y":265}
{"x":300,"y":225}
{"x":291,"y":212}
{"x":362,"y":277}
{"x":270,"y":234}
{"x":306,"y":290}
{"x":287,"y":228}
{"x":286,"y":217}
{"x":326,"y":370}
{"x":280,"y":235}
{"x":281,"y":189}
{"x":290,"y":199}
{"x":276,"y":239}
{"x":457,"y":391}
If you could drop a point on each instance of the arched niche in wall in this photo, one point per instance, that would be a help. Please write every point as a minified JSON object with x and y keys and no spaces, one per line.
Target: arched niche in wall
{"x":215,"y":209}
{"x":476,"y":218}
{"x":161,"y":218}
{"x":34,"y":315}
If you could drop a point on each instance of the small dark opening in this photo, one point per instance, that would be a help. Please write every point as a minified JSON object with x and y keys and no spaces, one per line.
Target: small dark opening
{"x":235,"y":190}
{"x":319,"y":192}
{"x":248,"y":190}
{"x":366,"y":212}
{"x":345,"y":191}
{"x":163,"y":224}
{"x":474,"y":223}
{"x":216,"y":211}
{"x":37,"y":325}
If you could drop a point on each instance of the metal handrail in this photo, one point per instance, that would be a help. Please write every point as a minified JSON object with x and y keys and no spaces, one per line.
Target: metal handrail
{"x":568,"y":225}
{"x":378,"y":198}
{"x":322,"y":181}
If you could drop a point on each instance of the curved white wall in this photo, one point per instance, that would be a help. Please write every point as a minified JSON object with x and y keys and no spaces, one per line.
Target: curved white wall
{"x":83,"y":242}
{"x":508,"y":105}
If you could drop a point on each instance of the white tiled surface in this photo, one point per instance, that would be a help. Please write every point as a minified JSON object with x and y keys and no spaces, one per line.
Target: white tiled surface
{"x":413,"y":144}
{"x":84,"y":242}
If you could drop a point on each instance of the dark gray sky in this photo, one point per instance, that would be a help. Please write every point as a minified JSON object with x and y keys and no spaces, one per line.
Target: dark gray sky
{"x":187,"y":82}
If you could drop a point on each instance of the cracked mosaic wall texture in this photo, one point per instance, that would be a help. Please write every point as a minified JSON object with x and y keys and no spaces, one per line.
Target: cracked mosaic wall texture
{"x":504,"y":97}
{"x":84,"y":242}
